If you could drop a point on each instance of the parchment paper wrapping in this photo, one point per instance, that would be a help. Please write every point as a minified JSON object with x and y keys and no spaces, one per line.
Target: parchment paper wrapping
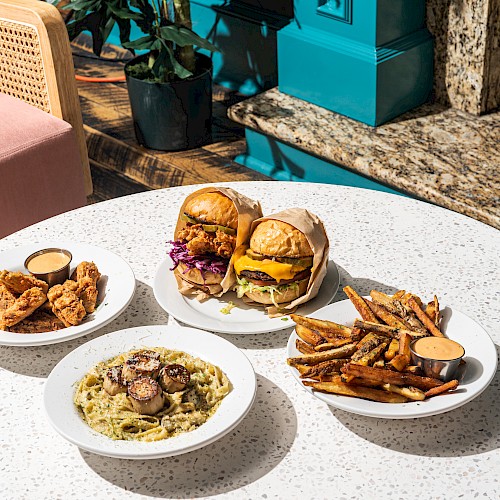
{"x":248,"y":211}
{"x":313,"y":229}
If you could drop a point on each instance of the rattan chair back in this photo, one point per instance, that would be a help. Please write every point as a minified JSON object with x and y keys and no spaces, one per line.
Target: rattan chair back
{"x":36,"y":65}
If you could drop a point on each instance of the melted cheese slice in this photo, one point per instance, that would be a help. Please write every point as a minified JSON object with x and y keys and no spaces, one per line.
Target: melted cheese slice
{"x":276,"y":270}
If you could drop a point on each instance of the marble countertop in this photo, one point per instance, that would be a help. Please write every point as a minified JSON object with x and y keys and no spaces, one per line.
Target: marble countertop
{"x":291,"y":445}
{"x":436,"y":153}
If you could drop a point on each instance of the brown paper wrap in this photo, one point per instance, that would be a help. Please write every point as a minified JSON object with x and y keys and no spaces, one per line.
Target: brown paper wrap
{"x":248,"y":211}
{"x":313,"y":229}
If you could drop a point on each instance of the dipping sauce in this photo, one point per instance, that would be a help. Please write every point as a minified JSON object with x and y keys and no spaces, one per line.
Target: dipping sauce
{"x":439,"y":348}
{"x":48,"y":262}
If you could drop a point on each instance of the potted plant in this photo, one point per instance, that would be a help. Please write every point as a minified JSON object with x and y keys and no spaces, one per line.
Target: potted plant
{"x":170,"y":86}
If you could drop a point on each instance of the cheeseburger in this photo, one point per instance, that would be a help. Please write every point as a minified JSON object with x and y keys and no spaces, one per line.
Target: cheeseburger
{"x":276,"y":266}
{"x":205,"y":242}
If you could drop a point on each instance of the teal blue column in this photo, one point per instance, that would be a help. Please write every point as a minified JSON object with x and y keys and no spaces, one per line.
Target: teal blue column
{"x":371,"y":60}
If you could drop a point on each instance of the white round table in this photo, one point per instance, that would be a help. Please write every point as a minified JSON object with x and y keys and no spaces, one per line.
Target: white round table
{"x":290,"y":445}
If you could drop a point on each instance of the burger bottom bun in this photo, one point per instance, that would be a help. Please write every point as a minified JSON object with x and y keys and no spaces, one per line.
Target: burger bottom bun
{"x":287,"y":295}
{"x":195,"y":276}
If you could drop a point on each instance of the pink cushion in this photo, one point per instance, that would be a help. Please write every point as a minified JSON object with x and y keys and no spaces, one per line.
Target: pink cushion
{"x":40,"y":168}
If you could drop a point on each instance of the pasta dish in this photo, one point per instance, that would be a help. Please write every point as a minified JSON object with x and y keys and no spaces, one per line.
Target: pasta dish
{"x":150,"y":395}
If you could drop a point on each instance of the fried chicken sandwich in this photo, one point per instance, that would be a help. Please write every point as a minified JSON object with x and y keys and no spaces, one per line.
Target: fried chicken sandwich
{"x":211,"y":224}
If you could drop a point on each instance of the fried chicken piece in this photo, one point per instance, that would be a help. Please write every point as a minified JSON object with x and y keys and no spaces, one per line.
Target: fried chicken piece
{"x":6,"y":298}
{"x":20,"y":283}
{"x":84,"y":289}
{"x":86,"y":270}
{"x":200,"y":242}
{"x":38,"y":322}
{"x":66,"y":305}
{"x":23,"y":306}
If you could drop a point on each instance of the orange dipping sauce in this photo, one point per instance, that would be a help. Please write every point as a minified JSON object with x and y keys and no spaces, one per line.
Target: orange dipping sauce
{"x":48,"y":262}
{"x":439,"y":348}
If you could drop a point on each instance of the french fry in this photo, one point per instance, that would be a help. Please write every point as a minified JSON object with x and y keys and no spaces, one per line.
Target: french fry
{"x":387,"y":317}
{"x":322,"y":325}
{"x":404,"y":345}
{"x":308,"y":335}
{"x":358,"y":381}
{"x":319,"y":357}
{"x":438,"y":316}
{"x":302,"y":368}
{"x":303,"y":347}
{"x":331,"y":344}
{"x":424,"y":318}
{"x":384,"y":376}
{"x":402,"y":360}
{"x":380,"y":363}
{"x":326,"y":367}
{"x":366,"y":339}
{"x":392,"y":350}
{"x":388,"y":331}
{"x":412,"y":393}
{"x":399,"y":294}
{"x":367,"y":347}
{"x":385,"y":301}
{"x":430,"y":310}
{"x":339,"y":387}
{"x":326,"y":377}
{"x":360,"y":305}
{"x":398,"y":362}
{"x":370,"y":357}
{"x":416,"y":370}
{"x":449,"y":386}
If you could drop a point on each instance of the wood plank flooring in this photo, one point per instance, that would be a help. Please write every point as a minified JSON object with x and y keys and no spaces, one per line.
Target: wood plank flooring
{"x":120,"y":166}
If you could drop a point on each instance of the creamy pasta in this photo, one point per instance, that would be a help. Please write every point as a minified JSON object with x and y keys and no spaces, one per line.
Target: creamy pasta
{"x":183,"y":411}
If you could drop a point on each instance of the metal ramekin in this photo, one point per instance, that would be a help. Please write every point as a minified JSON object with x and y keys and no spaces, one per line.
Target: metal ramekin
{"x":443,"y":369}
{"x":55,"y":277}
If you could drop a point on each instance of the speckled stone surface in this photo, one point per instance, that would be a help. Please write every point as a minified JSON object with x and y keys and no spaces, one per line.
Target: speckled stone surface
{"x":467,"y":53}
{"x":290,"y":445}
{"x":435,"y":153}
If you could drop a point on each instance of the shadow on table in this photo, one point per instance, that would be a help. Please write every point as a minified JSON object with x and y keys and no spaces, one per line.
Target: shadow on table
{"x":255,"y":447}
{"x":469,"y":430}
{"x":38,"y":361}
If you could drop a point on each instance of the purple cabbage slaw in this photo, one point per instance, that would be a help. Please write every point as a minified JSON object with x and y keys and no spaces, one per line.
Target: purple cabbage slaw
{"x":213,"y":263}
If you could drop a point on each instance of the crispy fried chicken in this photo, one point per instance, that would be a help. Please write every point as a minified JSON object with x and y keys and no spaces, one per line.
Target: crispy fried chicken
{"x":86,"y":270}
{"x":38,"y":322}
{"x":66,"y":305}
{"x":23,"y":306}
{"x":201,"y":242}
{"x":19,"y":282}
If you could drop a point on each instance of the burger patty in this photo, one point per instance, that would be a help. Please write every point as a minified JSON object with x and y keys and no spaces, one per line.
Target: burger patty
{"x":260,"y":278}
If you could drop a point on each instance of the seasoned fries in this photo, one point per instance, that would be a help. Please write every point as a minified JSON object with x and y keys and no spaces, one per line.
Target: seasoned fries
{"x":371,"y":359}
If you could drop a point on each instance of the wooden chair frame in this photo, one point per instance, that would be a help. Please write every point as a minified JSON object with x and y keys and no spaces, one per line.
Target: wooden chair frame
{"x":44,"y":64}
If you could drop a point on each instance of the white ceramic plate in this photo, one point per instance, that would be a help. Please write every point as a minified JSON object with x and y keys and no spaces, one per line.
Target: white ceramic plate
{"x":243,"y":319}
{"x":116,"y":289}
{"x":480,"y":355}
{"x":61,"y":384}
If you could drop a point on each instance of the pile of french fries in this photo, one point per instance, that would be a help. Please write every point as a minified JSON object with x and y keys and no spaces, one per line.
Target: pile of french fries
{"x":371,"y":359}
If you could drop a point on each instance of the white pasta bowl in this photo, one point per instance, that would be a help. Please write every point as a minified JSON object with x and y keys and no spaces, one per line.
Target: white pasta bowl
{"x":64,"y":378}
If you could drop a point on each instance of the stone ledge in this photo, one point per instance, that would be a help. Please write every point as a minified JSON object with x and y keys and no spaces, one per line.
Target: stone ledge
{"x":436,"y":153}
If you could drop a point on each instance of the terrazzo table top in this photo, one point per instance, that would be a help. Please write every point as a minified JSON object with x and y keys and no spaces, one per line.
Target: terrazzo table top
{"x":290,"y":445}
{"x":436,"y":153}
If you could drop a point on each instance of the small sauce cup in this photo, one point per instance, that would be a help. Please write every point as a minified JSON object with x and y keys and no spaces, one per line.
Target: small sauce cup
{"x":443,"y":369}
{"x":50,"y":265}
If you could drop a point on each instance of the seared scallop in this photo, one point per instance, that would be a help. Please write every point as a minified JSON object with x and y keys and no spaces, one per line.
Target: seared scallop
{"x":145,"y":395}
{"x":113,"y":381}
{"x":174,"y":378}
{"x":140,"y":365}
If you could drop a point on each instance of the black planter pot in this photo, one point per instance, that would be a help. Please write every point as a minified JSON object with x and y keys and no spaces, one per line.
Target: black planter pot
{"x":175,"y":115}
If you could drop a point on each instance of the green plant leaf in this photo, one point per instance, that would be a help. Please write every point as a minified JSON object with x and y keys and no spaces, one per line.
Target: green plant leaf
{"x":183,"y":36}
{"x":143,"y":43}
{"x":123,"y":13}
{"x":85,"y":5}
{"x":124,"y":27}
{"x":147,"y":19}
{"x":179,"y":69}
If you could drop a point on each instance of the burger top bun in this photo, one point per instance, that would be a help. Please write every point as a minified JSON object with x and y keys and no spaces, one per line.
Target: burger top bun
{"x":194,"y":275}
{"x":279,"y":239}
{"x":213,"y":208}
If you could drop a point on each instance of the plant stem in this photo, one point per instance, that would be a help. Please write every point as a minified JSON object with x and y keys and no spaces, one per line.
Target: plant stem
{"x":183,"y":18}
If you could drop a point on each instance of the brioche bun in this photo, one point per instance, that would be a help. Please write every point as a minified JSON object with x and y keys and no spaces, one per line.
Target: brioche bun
{"x":289,"y":294}
{"x":278,"y":239}
{"x":213,"y":208}
{"x":195,"y":276}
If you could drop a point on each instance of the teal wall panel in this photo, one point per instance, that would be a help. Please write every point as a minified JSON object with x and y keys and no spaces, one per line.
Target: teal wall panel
{"x":287,"y":163}
{"x":370,"y":60}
